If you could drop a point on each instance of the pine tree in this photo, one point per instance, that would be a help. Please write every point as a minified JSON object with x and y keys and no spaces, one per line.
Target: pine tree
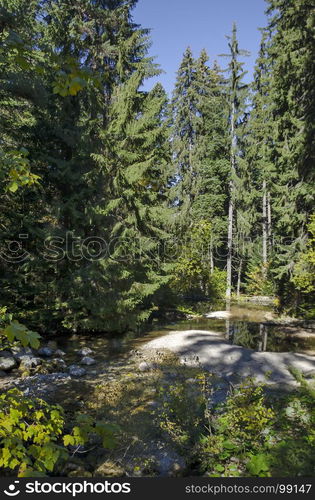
{"x":261,"y":169}
{"x":292,"y":52}
{"x":211,"y":154}
{"x":236,"y":102}
{"x":183,"y":120}
{"x":200,"y":157}
{"x":99,"y":145}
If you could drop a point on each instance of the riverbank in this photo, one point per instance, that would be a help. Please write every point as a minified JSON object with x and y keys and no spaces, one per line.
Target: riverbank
{"x":217,"y":355}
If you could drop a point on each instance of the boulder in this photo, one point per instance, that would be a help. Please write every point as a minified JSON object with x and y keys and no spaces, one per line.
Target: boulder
{"x":76,"y":371}
{"x":27,"y":361}
{"x":87,"y":361}
{"x":5,"y":354}
{"x":2,"y":374}
{"x":7,"y":363}
{"x":85,"y":351}
{"x":45,"y":351}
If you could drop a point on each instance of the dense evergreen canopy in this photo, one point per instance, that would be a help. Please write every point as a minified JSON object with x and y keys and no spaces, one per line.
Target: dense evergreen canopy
{"x":98,"y":176}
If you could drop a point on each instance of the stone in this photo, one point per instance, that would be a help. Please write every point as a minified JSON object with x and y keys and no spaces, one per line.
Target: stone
{"x":45,"y":351}
{"x":87,"y":361}
{"x":76,"y":371}
{"x":144,"y":366}
{"x":2,"y":374}
{"x":27,"y":362}
{"x":85,"y":351}
{"x":5,"y":354}
{"x":58,"y":364}
{"x":7,"y":363}
{"x":59,"y":353}
{"x":109,"y":469}
{"x":18,"y":351}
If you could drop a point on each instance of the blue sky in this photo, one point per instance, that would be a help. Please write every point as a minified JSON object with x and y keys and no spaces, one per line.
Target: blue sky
{"x":175,"y":24}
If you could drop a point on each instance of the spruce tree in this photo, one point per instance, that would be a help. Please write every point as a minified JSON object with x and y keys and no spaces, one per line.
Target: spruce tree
{"x":90,"y":102}
{"x":211,"y":155}
{"x":183,"y":120}
{"x":236,"y":97}
{"x":291,"y":50}
{"x":259,"y":156}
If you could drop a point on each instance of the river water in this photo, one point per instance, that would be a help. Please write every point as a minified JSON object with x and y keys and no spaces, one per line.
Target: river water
{"x":247,"y":326}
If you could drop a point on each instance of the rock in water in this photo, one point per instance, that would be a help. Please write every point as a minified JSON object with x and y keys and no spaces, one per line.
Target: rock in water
{"x":59,"y":353}
{"x":7,"y":363}
{"x":27,"y":361}
{"x":76,"y":371}
{"x":85,"y":351}
{"x":87,"y":361}
{"x":45,"y":351}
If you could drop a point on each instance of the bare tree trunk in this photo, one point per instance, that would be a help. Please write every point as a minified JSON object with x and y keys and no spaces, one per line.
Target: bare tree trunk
{"x":269,"y":222}
{"x":239,"y":276}
{"x":263,"y":337}
{"x":211,"y":258}
{"x":265,"y":227}
{"x":231,"y":207}
{"x":229,"y":334}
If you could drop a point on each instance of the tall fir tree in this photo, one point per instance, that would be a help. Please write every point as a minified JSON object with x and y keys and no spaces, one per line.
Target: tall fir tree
{"x":90,"y":101}
{"x":291,"y":50}
{"x":237,"y":101}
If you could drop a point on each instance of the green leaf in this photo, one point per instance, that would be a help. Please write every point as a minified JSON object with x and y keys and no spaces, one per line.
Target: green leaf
{"x":68,"y":440}
{"x":258,"y":464}
{"x":13,"y":187}
{"x":32,"y":473}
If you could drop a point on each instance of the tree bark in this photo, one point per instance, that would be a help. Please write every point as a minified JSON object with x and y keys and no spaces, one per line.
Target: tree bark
{"x":265,"y":226}
{"x":239,"y":275}
{"x":231,"y":207}
{"x":269,"y":222}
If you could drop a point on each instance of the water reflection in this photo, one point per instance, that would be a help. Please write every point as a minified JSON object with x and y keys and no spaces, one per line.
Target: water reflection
{"x":252,"y":335}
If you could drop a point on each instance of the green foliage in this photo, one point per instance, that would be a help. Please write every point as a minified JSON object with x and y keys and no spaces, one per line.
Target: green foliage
{"x":258,"y":436}
{"x":29,"y":433}
{"x":182,"y":415}
{"x":304,"y":270}
{"x":33,"y":441}
{"x":85,"y":425}
{"x":217,"y":283}
{"x":258,"y":280}
{"x":15,"y":169}
{"x":192,"y":271}
{"x":12,"y":332}
{"x":99,"y":146}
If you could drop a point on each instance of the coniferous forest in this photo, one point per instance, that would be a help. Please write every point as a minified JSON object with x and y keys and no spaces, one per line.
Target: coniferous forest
{"x":124,"y":210}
